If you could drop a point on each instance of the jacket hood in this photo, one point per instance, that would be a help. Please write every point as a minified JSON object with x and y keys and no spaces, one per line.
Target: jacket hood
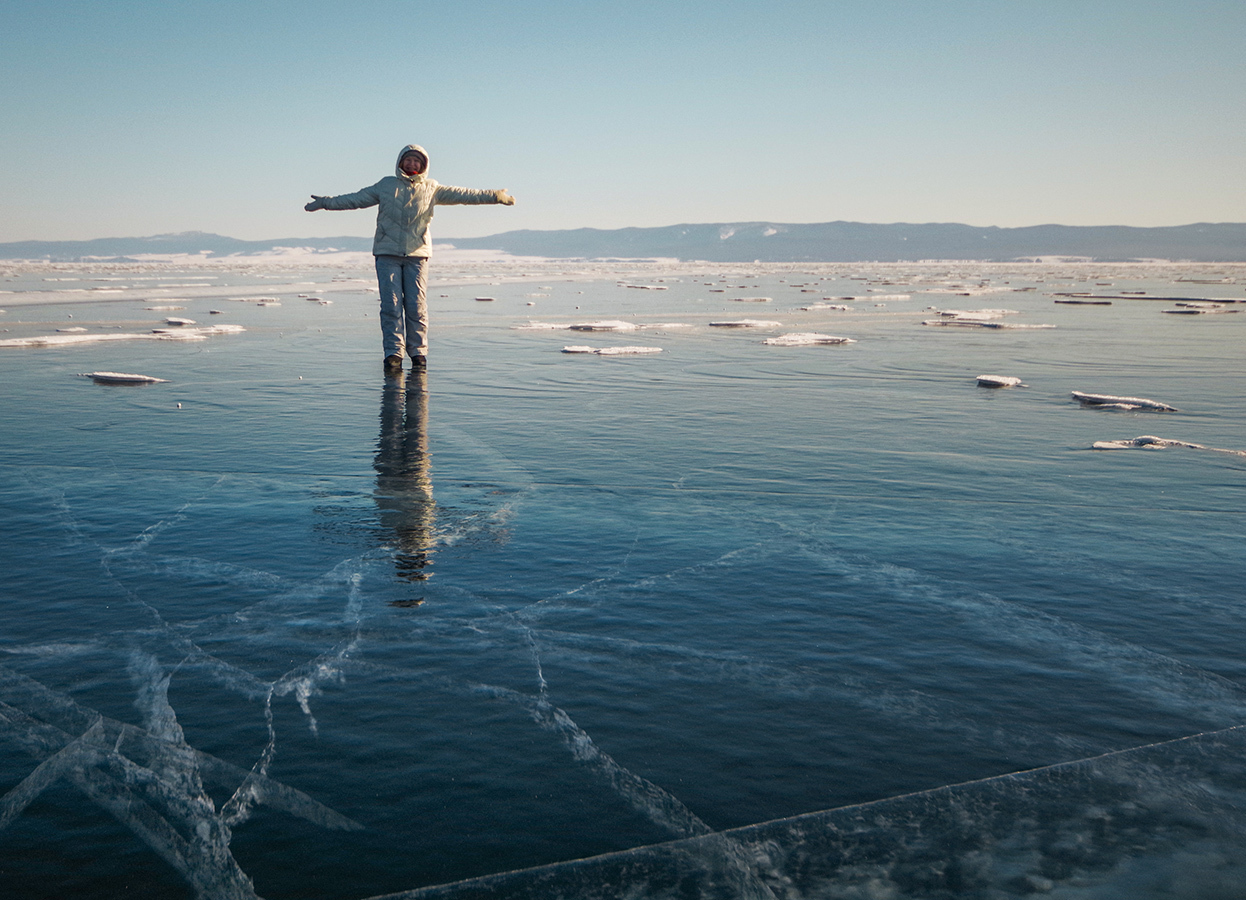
{"x":408,"y":149}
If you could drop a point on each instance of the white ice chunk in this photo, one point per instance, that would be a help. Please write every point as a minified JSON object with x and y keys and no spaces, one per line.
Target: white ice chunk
{"x":122,"y":378}
{"x":611,"y":351}
{"x":999,"y":381}
{"x":973,"y":314}
{"x":174,"y":320}
{"x":1151,"y":442}
{"x":980,"y":323}
{"x":606,"y":325}
{"x":750,"y":299}
{"x":198,"y":333}
{"x":746,"y":323}
{"x":1113,"y":402}
{"x":627,"y":351}
{"x":1198,"y":309}
{"x":806,"y":339}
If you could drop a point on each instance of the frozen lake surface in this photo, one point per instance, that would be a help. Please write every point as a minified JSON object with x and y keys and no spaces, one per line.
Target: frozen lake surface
{"x":280,"y":626}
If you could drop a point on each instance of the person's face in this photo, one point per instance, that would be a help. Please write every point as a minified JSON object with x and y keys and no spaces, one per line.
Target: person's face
{"x":412,"y":164}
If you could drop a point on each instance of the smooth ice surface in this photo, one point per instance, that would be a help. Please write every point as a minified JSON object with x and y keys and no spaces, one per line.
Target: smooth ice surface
{"x":753,"y":622}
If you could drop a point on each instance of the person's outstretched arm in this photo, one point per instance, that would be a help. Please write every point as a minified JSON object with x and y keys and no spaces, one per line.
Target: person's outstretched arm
{"x":358,"y":200}
{"x":447,"y":195}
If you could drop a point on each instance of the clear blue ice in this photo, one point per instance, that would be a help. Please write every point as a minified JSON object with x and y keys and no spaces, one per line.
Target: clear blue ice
{"x":282,"y":627}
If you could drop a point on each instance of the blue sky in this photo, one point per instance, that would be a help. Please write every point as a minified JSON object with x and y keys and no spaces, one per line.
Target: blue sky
{"x":130,"y":117}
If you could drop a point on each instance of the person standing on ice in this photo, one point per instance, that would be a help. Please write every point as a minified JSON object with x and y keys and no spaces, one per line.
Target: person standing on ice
{"x":405,"y":202}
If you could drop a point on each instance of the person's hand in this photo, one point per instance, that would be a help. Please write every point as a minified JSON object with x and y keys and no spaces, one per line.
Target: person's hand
{"x":318,"y":203}
{"x":505,"y":199}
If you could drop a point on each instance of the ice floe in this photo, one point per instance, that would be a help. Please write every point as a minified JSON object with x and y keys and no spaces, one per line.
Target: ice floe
{"x":606,"y":325}
{"x":999,"y":381}
{"x":806,"y":339}
{"x":611,"y":351}
{"x":123,"y":378}
{"x":974,"y":315}
{"x":1110,"y":401}
{"x":814,"y":307}
{"x":981,"y":323}
{"x":750,"y":299}
{"x":1198,"y":308}
{"x":174,"y":320}
{"x":746,"y":323}
{"x":1151,"y":442}
{"x":199,"y":333}
{"x":644,"y":287}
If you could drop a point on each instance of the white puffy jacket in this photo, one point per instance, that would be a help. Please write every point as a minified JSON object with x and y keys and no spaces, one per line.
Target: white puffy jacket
{"x":406,"y":205}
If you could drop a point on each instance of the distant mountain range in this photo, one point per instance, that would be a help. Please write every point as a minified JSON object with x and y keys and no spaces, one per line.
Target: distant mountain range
{"x":740,"y":242}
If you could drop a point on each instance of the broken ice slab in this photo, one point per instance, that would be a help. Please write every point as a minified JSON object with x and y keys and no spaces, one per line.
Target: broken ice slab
{"x":627,"y":351}
{"x":1198,"y":308}
{"x":175,"y":320}
{"x":974,"y":315}
{"x":750,"y":299}
{"x":806,"y":339}
{"x":980,"y":323}
{"x":606,"y":325}
{"x":746,"y":323}
{"x":122,"y":378}
{"x":611,"y":351}
{"x":1151,"y":442}
{"x":194,"y":333}
{"x":1110,"y":401}
{"x":999,"y":381}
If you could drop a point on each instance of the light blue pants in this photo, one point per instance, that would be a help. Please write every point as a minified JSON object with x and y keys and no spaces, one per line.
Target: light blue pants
{"x":403,"y":281}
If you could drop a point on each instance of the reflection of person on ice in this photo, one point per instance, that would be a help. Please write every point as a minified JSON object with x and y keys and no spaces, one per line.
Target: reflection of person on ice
{"x":405,"y":204}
